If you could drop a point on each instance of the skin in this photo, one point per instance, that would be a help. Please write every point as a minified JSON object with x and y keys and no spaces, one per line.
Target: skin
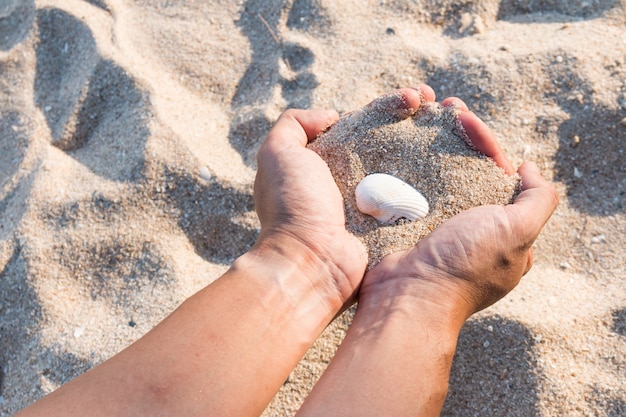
{"x":227,"y":349}
{"x":396,"y":357}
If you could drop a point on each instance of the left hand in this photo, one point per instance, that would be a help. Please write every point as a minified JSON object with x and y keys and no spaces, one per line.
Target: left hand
{"x":298,"y":202}
{"x":475,"y":258}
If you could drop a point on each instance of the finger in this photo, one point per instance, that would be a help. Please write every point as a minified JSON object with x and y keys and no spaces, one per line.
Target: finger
{"x":299,"y":126}
{"x":455,"y":102}
{"x":534,"y":205}
{"x":484,"y":140}
{"x":397,"y":105}
{"x":426,"y":91}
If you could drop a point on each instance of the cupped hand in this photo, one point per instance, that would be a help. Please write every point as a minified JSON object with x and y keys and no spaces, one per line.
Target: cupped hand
{"x":475,"y":258}
{"x":298,"y":203}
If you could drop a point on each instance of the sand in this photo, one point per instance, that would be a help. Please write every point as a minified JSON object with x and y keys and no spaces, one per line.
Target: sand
{"x":428,"y":151}
{"x":128,"y":133}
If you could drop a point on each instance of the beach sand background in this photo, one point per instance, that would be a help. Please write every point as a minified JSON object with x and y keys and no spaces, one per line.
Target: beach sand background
{"x":128,"y":132}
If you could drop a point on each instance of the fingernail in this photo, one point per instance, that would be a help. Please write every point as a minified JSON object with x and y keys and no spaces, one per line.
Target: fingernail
{"x":454,"y":104}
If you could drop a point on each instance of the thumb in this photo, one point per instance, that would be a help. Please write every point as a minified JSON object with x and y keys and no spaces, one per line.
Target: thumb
{"x":534,"y":205}
{"x":300,"y":126}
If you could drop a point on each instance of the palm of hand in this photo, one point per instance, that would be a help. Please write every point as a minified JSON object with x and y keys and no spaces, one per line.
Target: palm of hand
{"x":474,"y":259}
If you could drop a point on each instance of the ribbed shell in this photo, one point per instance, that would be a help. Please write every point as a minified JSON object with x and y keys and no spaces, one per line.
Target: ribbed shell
{"x":388,"y":199}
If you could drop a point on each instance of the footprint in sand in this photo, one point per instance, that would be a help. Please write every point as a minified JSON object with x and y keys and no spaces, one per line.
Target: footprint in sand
{"x":466,"y":78}
{"x":99,"y":115}
{"x":259,"y":21}
{"x":590,"y":157}
{"x":16,"y":297}
{"x":16,"y":21}
{"x":604,"y":396}
{"x":561,"y":10}
{"x":461,"y":19}
{"x":21,"y":342}
{"x":619,"y":322}
{"x":214,"y":212}
{"x":96,"y":111}
{"x":13,"y":148}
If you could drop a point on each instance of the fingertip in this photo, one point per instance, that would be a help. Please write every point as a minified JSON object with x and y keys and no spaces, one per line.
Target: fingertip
{"x":411,"y":98}
{"x":484,"y":140}
{"x":537,"y":201}
{"x":531,"y":176}
{"x":394,"y":106}
{"x":399,"y":104}
{"x":427,"y":94}
{"x":301,"y":126}
{"x":528,"y":168}
{"x":455,"y":102}
{"x":532,"y":179}
{"x":315,"y":121}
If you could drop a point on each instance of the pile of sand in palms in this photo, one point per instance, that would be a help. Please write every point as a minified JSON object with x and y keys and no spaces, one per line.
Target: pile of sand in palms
{"x":428,"y":150}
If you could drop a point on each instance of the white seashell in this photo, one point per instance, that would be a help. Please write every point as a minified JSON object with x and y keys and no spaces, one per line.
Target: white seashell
{"x":205,"y":174}
{"x":388,"y":199}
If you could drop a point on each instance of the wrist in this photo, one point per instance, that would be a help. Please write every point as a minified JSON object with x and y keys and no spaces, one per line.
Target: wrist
{"x":295,"y":275}
{"x":415,"y":306}
{"x":421,"y":294}
{"x":402,"y":314}
{"x":395,"y":336}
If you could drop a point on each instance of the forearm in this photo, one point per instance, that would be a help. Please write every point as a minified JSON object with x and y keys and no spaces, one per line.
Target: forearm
{"x":224,"y":351}
{"x":395,"y":360}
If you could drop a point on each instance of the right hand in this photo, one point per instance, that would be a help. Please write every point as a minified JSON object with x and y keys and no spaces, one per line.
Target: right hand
{"x":475,"y":258}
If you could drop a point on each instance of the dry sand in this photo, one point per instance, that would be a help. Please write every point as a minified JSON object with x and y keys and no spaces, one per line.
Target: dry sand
{"x":429,"y":151}
{"x":128,"y":132}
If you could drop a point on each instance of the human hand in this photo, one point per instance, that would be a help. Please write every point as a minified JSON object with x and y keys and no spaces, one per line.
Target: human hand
{"x":397,"y":354}
{"x":475,"y":258}
{"x":298,"y":202}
